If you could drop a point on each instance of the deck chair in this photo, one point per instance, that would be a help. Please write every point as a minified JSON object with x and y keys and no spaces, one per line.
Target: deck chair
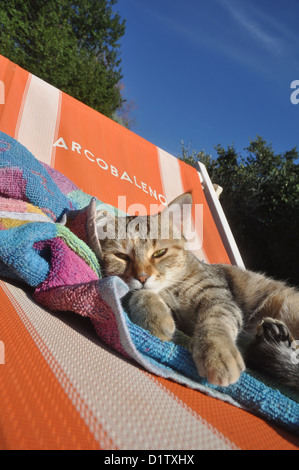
{"x":75,"y":373}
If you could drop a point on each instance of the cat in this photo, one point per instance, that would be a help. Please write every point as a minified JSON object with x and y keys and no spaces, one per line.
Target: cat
{"x":170,"y":288}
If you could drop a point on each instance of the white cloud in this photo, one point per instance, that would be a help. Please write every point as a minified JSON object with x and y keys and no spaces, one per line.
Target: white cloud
{"x":266,"y":45}
{"x":261,"y":27}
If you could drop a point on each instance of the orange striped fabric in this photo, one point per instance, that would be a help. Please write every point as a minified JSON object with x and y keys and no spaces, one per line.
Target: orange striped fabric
{"x":60,"y":387}
{"x":35,"y":411}
{"x":99,"y":155}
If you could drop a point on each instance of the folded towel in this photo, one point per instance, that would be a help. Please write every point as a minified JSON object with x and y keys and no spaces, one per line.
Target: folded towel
{"x":56,"y":260}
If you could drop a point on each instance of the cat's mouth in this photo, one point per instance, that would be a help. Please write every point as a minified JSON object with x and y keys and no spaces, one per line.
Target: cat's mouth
{"x":150,"y":284}
{"x":135,"y":284}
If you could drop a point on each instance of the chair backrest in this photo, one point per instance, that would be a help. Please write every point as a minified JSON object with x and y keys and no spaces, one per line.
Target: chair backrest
{"x":108,"y":161}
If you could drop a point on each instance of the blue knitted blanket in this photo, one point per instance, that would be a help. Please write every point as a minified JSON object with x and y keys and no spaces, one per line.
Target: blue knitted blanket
{"x":57,"y":261}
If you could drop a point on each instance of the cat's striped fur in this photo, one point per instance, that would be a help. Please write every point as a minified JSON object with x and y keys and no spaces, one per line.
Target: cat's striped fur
{"x":170,"y":288}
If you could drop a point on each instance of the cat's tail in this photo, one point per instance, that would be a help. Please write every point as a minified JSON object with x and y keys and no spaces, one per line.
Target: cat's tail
{"x":278,"y":361}
{"x":274,"y":353}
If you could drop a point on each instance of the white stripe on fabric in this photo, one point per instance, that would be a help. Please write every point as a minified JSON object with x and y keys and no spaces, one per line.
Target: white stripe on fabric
{"x":134,"y":411}
{"x":171,"y":175}
{"x":37,"y":121}
{"x":173,"y":187}
{"x":29,"y":216}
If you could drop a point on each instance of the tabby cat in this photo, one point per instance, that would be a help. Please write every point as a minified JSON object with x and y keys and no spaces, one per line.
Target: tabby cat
{"x":170,"y":288}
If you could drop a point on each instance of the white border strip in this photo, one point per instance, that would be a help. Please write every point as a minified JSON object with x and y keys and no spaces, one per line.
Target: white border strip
{"x":219,"y":217}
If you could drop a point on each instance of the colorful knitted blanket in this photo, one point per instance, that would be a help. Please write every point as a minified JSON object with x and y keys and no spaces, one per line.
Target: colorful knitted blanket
{"x":57,"y":262}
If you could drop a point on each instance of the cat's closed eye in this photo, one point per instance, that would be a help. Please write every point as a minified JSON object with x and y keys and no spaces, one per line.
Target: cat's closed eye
{"x":122,"y":256}
{"x":159,"y":253}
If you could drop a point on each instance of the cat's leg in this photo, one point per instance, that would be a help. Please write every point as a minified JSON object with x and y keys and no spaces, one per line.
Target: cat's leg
{"x":282,"y":306}
{"x":275,"y":353}
{"x":148,"y":310}
{"x":214,"y":344}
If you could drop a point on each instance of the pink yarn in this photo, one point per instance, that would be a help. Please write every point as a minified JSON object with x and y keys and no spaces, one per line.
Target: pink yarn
{"x":66,"y":267}
{"x":12,"y":183}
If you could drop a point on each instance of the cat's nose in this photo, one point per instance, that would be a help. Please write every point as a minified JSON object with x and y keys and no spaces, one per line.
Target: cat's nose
{"x":142,"y":277}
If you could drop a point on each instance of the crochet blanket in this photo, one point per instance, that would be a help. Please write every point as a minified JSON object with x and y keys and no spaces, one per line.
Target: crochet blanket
{"x":57,"y":261}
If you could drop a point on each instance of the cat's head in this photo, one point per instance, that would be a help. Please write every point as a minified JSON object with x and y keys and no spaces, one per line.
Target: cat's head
{"x":145,"y":251}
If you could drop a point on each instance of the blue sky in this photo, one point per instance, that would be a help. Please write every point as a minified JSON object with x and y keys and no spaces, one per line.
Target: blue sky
{"x":212,"y":71}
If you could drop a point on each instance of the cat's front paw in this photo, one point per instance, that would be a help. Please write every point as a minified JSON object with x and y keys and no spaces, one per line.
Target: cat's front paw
{"x":149,"y":311}
{"x":162,"y":326}
{"x":221,"y":364}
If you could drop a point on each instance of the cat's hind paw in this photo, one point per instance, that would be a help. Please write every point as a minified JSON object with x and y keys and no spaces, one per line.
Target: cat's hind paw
{"x":273,"y":331}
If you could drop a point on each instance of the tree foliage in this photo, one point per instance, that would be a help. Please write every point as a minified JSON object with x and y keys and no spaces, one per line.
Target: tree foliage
{"x":261,"y":201}
{"x":71,"y":44}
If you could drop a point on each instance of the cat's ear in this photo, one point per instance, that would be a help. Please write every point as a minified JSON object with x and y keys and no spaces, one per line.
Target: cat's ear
{"x":182,"y":200}
{"x":178,"y":212}
{"x":100,"y":225}
{"x":105,"y":225}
